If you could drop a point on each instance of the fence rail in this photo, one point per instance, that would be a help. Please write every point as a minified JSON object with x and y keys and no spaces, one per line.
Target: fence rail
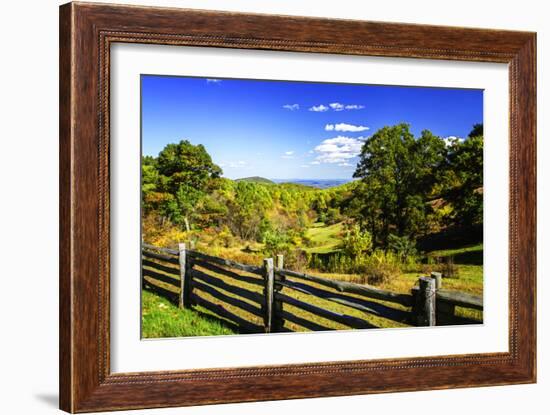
{"x":268,"y":294}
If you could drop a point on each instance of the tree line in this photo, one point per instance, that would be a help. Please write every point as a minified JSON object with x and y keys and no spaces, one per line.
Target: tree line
{"x":406,"y":187}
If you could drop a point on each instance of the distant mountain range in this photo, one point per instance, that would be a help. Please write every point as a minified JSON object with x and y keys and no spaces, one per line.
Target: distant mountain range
{"x":317,"y":183}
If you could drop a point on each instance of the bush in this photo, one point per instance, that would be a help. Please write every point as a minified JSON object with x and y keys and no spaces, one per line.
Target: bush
{"x":445,"y":265}
{"x":295,"y":259}
{"x":163,"y":232}
{"x":404,"y":247}
{"x":382,"y":267}
{"x":377,"y":268}
{"x":379,"y":275}
{"x":332,"y":216}
{"x":275,"y":241}
{"x":355,"y":242}
{"x":224,"y":238}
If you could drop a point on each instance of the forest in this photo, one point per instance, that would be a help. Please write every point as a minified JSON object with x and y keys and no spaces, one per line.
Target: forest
{"x":415,"y":205}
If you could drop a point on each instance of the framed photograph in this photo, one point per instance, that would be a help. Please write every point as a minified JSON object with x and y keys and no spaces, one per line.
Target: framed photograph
{"x":253,"y":208}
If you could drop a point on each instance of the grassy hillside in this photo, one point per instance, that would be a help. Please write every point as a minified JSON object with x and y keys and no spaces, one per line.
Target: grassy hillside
{"x":324,"y":238}
{"x":255,"y":179}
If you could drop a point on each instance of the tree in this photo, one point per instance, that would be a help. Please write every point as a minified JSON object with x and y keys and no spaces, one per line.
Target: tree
{"x":464,"y":178}
{"x":149,"y":183}
{"x":398,"y":172}
{"x":185,"y":163}
{"x":186,"y":172}
{"x":249,"y":205}
{"x":477,"y":131}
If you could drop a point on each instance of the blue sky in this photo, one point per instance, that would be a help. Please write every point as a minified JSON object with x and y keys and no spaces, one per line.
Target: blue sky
{"x":291,"y":130}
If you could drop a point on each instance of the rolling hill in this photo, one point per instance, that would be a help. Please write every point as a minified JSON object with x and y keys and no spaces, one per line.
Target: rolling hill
{"x":255,"y":179}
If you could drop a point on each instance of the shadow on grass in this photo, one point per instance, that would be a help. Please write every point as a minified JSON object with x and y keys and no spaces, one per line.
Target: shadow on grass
{"x":469,"y":258}
{"x":214,"y":319}
{"x":451,"y":238}
{"x":235,"y":327}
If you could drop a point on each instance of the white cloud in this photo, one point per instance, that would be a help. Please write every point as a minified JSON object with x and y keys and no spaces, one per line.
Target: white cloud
{"x":291,"y":107}
{"x":319,"y":108}
{"x":305,"y":166}
{"x":336,"y":106}
{"x":338,"y":149}
{"x":345,"y":127}
{"x":213,"y":81}
{"x":450,"y":140}
{"x":315,"y":162}
{"x":288,"y":154}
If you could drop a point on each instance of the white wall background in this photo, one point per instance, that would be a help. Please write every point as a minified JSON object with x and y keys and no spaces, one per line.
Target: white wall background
{"x":29,"y":206}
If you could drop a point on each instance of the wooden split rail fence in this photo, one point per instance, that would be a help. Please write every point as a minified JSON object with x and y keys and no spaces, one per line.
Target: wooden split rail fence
{"x":189,"y":278}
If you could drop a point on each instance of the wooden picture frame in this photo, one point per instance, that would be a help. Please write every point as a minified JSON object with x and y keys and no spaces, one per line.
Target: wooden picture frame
{"x":86,"y":33}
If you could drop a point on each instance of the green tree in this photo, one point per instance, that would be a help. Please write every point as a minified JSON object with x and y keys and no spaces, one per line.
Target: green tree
{"x":464,"y":189}
{"x":186,"y":172}
{"x":149,"y":183}
{"x":249,"y":205}
{"x":398,"y":172}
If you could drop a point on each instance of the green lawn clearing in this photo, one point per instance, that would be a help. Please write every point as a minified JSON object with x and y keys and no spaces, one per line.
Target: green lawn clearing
{"x":324,"y":239}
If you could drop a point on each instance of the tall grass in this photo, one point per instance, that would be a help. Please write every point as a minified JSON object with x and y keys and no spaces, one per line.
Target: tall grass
{"x":374,"y":268}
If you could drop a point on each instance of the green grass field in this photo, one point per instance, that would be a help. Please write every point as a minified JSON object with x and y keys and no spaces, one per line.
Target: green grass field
{"x":160,"y":318}
{"x":324,"y":238}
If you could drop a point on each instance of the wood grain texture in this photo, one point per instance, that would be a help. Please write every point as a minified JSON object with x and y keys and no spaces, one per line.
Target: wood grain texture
{"x":66,"y":372}
{"x":86,"y":33}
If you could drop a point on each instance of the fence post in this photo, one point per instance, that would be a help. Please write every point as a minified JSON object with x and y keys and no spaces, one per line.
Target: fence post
{"x":268,"y":293}
{"x":185,"y":286}
{"x":280,"y":261}
{"x":437,"y":276}
{"x":277,"y":318}
{"x":425,"y":301}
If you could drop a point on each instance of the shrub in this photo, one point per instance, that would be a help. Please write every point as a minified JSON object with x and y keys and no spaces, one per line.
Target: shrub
{"x":163,"y":232}
{"x":275,"y":241}
{"x":404,"y":247}
{"x":355,"y":242}
{"x":445,"y":265}
{"x":224,"y":238}
{"x":448,"y":268}
{"x":332,"y":216}
{"x":382,"y":266}
{"x":295,"y":259}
